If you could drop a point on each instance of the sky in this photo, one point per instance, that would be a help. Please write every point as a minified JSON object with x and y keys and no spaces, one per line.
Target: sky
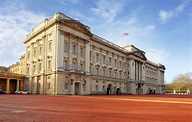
{"x":161,"y":28}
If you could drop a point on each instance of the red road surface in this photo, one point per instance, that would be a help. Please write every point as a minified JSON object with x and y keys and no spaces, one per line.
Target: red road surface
{"x":123,"y":108}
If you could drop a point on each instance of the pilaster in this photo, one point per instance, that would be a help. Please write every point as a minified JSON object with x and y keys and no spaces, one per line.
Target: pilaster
{"x":60,"y":49}
{"x":78,"y":54}
{"x":87,"y":55}
{"x":18,"y":84}
{"x":8,"y":86}
{"x":70,"y":51}
{"x":72,"y":87}
{"x":143,"y":71}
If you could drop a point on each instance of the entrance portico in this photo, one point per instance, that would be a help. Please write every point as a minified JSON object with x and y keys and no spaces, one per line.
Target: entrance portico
{"x":10,"y":82}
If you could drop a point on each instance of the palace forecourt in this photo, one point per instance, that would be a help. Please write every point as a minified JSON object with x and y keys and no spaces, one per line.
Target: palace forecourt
{"x":99,"y":108}
{"x":63,"y":57}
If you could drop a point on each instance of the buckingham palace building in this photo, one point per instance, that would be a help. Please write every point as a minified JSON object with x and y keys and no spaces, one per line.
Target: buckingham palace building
{"x":63,"y":57}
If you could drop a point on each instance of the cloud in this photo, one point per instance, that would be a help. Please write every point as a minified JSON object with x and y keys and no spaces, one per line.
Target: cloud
{"x":132,"y":20}
{"x":150,"y":27}
{"x":68,"y":2}
{"x":15,"y":23}
{"x":164,"y":15}
{"x":80,"y":16}
{"x":155,"y":55}
{"x":107,"y":9}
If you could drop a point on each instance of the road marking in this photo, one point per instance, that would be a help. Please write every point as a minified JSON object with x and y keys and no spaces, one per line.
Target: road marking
{"x":140,"y":100}
{"x":18,"y":111}
{"x":157,"y":101}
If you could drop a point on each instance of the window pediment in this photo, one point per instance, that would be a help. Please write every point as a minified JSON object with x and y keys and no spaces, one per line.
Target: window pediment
{"x":77,"y":25}
{"x":140,"y":55}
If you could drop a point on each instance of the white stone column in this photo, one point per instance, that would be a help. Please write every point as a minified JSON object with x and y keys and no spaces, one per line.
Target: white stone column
{"x":8,"y":86}
{"x":135,"y":70}
{"x":44,"y":55}
{"x":18,"y":84}
{"x":87,"y":54}
{"x":141,"y":69}
{"x":30,"y":84}
{"x":143,"y":72}
{"x":132,"y":69}
{"x":72,"y":86}
{"x":70,"y":51}
{"x":78,"y":54}
{"x":59,"y":49}
{"x":30,"y":60}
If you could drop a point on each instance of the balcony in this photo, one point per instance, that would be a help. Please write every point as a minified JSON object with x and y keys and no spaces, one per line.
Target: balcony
{"x":76,"y":71}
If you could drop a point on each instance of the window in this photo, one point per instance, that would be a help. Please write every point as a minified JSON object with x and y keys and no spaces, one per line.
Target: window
{"x":73,"y":65}
{"x":65,"y":64}
{"x":109,"y":61}
{"x":27,"y":70}
{"x":119,"y":64}
{"x":74,"y":49}
{"x":120,"y":75}
{"x":40,"y":50}
{"x":90,"y":69}
{"x":90,"y":55}
{"x":65,"y":47}
{"x":97,"y":71}
{"x":115,"y":74}
{"x":115,"y":63}
{"x":34,"y":68}
{"x":49,"y":86}
{"x":50,"y":47}
{"x":103,"y":59}
{"x":96,"y":88}
{"x":103,"y":73}
{"x":81,"y":66}
{"x":28,"y":55}
{"x":97,"y":57}
{"x":34,"y":53}
{"x":81,"y":51}
{"x":84,"y":87}
{"x":103,"y":88}
{"x":39,"y":66}
{"x":66,"y":86}
{"x":109,"y":73}
{"x":49,"y":64}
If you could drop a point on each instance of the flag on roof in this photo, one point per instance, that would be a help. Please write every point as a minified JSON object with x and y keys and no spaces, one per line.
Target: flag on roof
{"x":125,"y":34}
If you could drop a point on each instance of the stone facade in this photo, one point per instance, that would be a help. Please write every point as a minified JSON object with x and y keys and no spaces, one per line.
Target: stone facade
{"x":64,"y":57}
{"x":11,"y":78}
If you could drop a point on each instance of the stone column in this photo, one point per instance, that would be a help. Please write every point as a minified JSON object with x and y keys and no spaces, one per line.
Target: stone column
{"x":135,"y":70}
{"x":87,"y":54}
{"x":78,"y":54}
{"x":30,"y":84}
{"x":44,"y":54}
{"x":132,"y":69}
{"x":8,"y":86}
{"x":70,"y":52}
{"x":143,"y":72}
{"x":140,"y":70}
{"x":60,"y":49}
{"x":22,"y":84}
{"x":30,"y":61}
{"x":72,"y":86}
{"x":18,"y":84}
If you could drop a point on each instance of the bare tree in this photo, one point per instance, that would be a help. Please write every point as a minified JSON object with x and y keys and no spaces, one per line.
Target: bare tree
{"x":188,"y":81}
{"x":182,"y":82}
